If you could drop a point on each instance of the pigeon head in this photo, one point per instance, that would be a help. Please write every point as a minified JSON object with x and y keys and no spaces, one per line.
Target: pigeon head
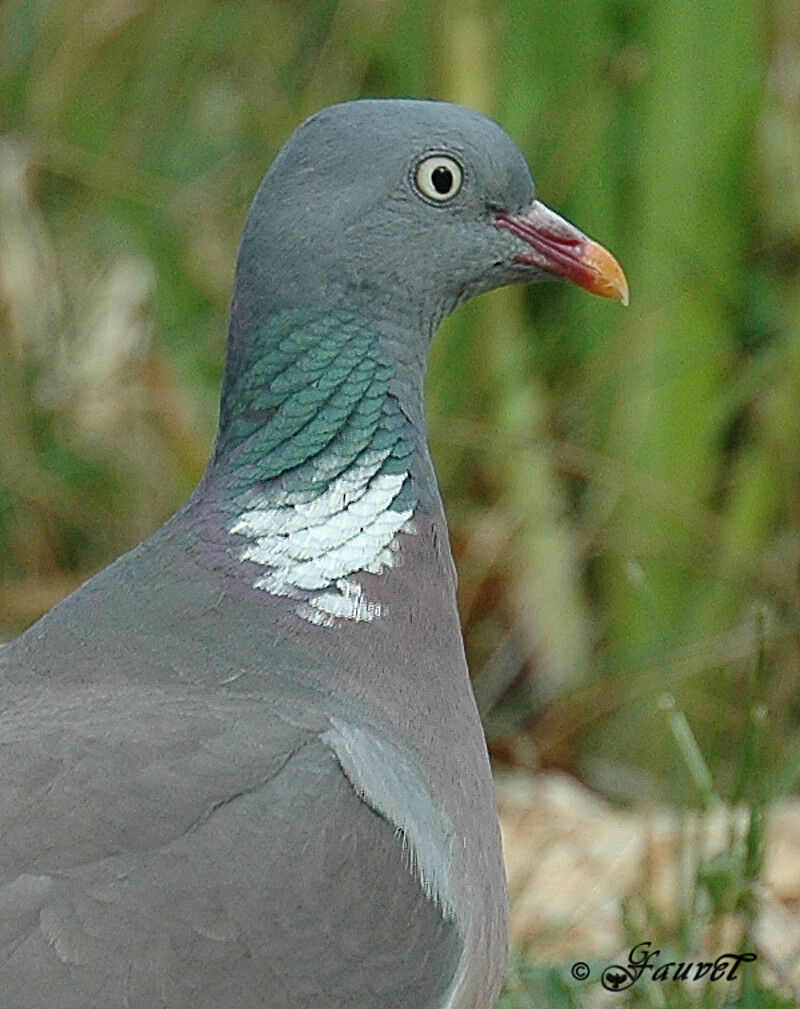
{"x":404,"y":209}
{"x":376,"y":219}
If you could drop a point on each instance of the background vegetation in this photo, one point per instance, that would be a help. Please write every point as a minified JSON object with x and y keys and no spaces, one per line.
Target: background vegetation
{"x":623,"y":487}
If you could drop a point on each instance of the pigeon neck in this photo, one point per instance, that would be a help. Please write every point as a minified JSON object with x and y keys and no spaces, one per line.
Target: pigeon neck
{"x":322,"y":462}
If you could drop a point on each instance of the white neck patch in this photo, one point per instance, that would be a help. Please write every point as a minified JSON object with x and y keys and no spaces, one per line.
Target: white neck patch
{"x":309,"y":550}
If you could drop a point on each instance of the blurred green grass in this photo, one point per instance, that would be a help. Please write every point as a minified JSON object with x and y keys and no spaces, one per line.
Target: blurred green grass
{"x":623,"y":488}
{"x":719,"y":896}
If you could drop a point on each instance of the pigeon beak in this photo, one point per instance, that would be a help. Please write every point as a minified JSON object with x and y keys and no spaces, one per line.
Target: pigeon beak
{"x":558,"y":247}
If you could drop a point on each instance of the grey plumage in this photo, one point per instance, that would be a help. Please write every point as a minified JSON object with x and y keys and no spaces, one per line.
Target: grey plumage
{"x":228,"y":780}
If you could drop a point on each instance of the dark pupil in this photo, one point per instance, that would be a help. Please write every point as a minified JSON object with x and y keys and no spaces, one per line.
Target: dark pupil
{"x":442,"y":179}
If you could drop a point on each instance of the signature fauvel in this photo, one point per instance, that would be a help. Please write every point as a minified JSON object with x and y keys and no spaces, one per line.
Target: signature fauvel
{"x":618,"y":977}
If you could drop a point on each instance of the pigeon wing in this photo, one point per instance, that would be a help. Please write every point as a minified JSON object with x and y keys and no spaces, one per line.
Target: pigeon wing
{"x":169,"y":848}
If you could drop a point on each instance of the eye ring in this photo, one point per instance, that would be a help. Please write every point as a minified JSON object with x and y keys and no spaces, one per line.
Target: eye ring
{"x":439,"y":178}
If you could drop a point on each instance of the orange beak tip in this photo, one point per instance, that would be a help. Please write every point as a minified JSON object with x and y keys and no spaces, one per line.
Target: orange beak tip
{"x":606,"y":276}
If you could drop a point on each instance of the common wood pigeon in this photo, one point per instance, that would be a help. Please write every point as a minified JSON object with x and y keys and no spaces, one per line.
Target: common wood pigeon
{"x":243,"y":766}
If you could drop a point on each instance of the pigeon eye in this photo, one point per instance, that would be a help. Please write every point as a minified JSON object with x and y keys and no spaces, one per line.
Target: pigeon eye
{"x":439,"y":178}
